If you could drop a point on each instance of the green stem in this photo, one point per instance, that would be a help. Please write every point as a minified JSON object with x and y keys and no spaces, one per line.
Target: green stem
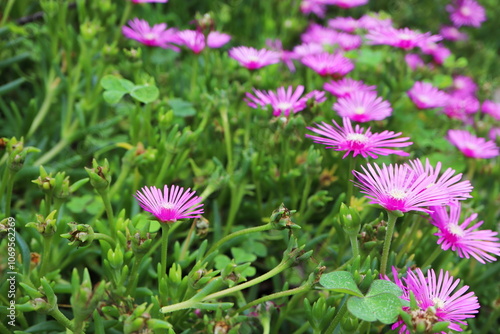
{"x":471,"y":169}
{"x":107,"y":238}
{"x":305,"y":194}
{"x":438,"y":251}
{"x":227,"y":138}
{"x":164,"y":250}
{"x":6,"y":12}
{"x":44,"y":109}
{"x":350,"y":184}
{"x":305,"y":326}
{"x":237,"y":194}
{"x":354,"y":244}
{"x":187,"y":241}
{"x":338,"y":317}
{"x":392,"y":217}
{"x":194,"y":77}
{"x":61,"y":318}
{"x":290,"y":292}
{"x":109,"y":211}
{"x":249,"y":230}
{"x":126,"y":13}
{"x":46,"y":255}
{"x":134,"y":274}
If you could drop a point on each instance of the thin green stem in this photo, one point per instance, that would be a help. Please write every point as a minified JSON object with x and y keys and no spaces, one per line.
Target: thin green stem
{"x":187,"y":241}
{"x":107,"y":238}
{"x":61,"y":318}
{"x":44,"y":109}
{"x":336,"y":320}
{"x":47,"y":240}
{"x":354,"y":244}
{"x":249,"y":230}
{"x":8,"y":194}
{"x":305,"y":194}
{"x":126,"y":13}
{"x":109,"y":211}
{"x":134,"y":274}
{"x":438,"y":251}
{"x":350,"y":185}
{"x":290,"y":292}
{"x":164,"y":249}
{"x":227,"y":138}
{"x":392,"y":217}
{"x":471,"y":168}
{"x":6,"y":12}
{"x":194,"y":77}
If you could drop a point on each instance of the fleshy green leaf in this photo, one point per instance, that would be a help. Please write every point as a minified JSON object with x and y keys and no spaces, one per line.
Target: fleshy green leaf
{"x":240,"y":255}
{"x":145,"y":93}
{"x":112,"y":96}
{"x":340,"y":281}
{"x":382,"y":286}
{"x":182,"y":108}
{"x":111,"y":82}
{"x":383,"y":307}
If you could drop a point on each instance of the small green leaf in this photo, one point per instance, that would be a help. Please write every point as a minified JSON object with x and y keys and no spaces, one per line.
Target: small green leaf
{"x":340,"y":281}
{"x":383,"y":307}
{"x":145,"y":93}
{"x":182,"y":108}
{"x":240,"y":255}
{"x":112,"y":96}
{"x":382,"y":286}
{"x":221,"y":261}
{"x":111,"y":82}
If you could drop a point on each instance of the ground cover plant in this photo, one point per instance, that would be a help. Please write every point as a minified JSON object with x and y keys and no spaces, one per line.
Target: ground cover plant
{"x":314,"y":166}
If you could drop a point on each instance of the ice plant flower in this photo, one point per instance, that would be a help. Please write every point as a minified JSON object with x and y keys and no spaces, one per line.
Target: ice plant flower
{"x":192,"y":39}
{"x":414,"y":61}
{"x":472,"y":146}
{"x":404,"y":38}
{"x":464,"y":240}
{"x":216,"y":39}
{"x":327,"y":64}
{"x":347,"y":24}
{"x":491,"y":108}
{"x":460,"y":106}
{"x":363,"y":107}
{"x":252,"y":58}
{"x":494,"y":133}
{"x":426,"y":96}
{"x":398,"y":187}
{"x":318,"y":34}
{"x":144,"y":1}
{"x":437,"y":300}
{"x":374,"y":21}
{"x":171,"y":204}
{"x":452,"y":33}
{"x":346,"y":3}
{"x":307,"y":49}
{"x":466,"y":13}
{"x":313,"y":6}
{"x":346,"y":86}
{"x":357,"y":141}
{"x":158,"y":35}
{"x":464,"y":85}
{"x":348,"y":41}
{"x":283,"y":101}
{"x":448,"y":181}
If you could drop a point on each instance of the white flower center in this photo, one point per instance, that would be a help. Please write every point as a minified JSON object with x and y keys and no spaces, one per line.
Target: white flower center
{"x":357,"y":137}
{"x":359,"y":110}
{"x":284,"y":105}
{"x":456,"y":230}
{"x":438,"y":303}
{"x":465,"y":11}
{"x":168,"y":206}
{"x":150,"y":36}
{"x":398,"y":194}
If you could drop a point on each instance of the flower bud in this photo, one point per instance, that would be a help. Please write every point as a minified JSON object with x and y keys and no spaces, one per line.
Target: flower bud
{"x":350,"y":220}
{"x":100,"y":176}
{"x":45,"y":226}
{"x":81,"y":235}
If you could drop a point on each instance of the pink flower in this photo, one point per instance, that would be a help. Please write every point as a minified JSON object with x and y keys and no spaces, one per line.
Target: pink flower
{"x":347,"y":24}
{"x":328,"y":64}
{"x":318,"y":34}
{"x":313,"y":6}
{"x":464,"y":85}
{"x":466,"y":13}
{"x":452,"y":33}
{"x":358,"y":141}
{"x":461,"y":238}
{"x":457,"y":190}
{"x":414,"y":61}
{"x":346,"y":86}
{"x":216,"y":39}
{"x":426,"y":96}
{"x":307,"y":49}
{"x":144,"y":1}
{"x":494,"y":133}
{"x":252,"y":58}
{"x":400,"y":38}
{"x":363,"y":107}
{"x":435,"y":299}
{"x":398,"y":187}
{"x":472,"y":146}
{"x":172,"y":204}
{"x":491,"y":108}
{"x":282,"y":101}
{"x":374,"y":21}
{"x":158,"y":35}
{"x":286,"y":56}
{"x":348,"y":41}
{"x":347,"y":3}
{"x":459,"y":106}
{"x":192,"y":39}
{"x":438,"y":52}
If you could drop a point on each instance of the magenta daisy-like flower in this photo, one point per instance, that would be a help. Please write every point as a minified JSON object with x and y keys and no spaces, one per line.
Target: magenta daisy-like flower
{"x":491,"y":108}
{"x":346,"y":3}
{"x":307,"y":49}
{"x":398,"y":187}
{"x":346,"y":86}
{"x":457,"y":190}
{"x":452,"y":33}
{"x":426,"y":96}
{"x":436,"y":299}
{"x":158,"y":35}
{"x":414,"y":61}
{"x":327,"y":64}
{"x":466,"y":241}
{"x":347,"y":24}
{"x":283,"y":101}
{"x":472,"y":146}
{"x":318,"y":34}
{"x":192,"y":39}
{"x":466,"y":13}
{"x":358,"y":141}
{"x":363,"y":107}
{"x":404,"y":38}
{"x":216,"y":39}
{"x":252,"y":58}
{"x":144,"y":1}
{"x":464,"y":85}
{"x":348,"y":41}
{"x":374,"y":21}
{"x":494,"y":133}
{"x":171,"y":204}
{"x":460,"y":106}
